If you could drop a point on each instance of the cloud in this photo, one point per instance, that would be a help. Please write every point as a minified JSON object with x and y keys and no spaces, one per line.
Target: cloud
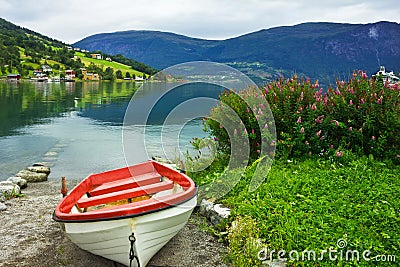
{"x":73,"y":20}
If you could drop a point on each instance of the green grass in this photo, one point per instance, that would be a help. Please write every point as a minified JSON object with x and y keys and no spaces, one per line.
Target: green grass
{"x":104,"y":63}
{"x":311,"y":204}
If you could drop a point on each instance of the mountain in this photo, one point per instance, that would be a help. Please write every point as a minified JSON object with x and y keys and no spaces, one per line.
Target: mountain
{"x":323,"y":51}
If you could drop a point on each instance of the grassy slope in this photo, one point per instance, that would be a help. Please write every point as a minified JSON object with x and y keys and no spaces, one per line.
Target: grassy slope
{"x":101,"y":62}
{"x":85,"y":60}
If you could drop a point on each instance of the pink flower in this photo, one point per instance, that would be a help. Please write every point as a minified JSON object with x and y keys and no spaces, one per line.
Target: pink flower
{"x":318,"y":133}
{"x":373,"y":138}
{"x":235,"y":132}
{"x":331,"y":146}
{"x":398,"y":156}
{"x":258,"y":151}
{"x":364,"y":75}
{"x":299,"y":120}
{"x":335,"y":122}
{"x":216,"y":139}
{"x":362,"y":101}
{"x":379,"y":100}
{"x":351,"y":102}
{"x":339,"y":153}
{"x":252,"y":131}
{"x":266,"y":126}
{"x":351,"y":128}
{"x":314,"y":107}
{"x":302,"y":130}
{"x":300,"y":109}
{"x":307,"y":143}
{"x":319,"y":119}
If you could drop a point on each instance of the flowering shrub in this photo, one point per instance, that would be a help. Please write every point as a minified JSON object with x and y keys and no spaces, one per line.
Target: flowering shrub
{"x":254,"y":128}
{"x":360,"y":116}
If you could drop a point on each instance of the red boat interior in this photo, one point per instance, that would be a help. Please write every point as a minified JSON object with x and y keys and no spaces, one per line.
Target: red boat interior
{"x":126,"y":192}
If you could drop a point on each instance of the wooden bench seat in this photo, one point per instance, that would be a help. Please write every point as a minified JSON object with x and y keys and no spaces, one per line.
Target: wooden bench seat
{"x":125,"y":194}
{"x":126,"y":183}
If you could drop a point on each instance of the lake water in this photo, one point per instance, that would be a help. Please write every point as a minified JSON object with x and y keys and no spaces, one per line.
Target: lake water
{"x":77,"y":127}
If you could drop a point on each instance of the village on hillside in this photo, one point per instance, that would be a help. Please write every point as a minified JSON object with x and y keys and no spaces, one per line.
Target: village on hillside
{"x":95,"y":64}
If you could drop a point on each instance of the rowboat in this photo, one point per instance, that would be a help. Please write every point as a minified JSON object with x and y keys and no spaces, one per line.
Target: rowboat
{"x":128,"y":214}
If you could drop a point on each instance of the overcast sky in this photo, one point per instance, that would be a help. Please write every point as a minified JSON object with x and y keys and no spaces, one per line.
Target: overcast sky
{"x":72,"y":20}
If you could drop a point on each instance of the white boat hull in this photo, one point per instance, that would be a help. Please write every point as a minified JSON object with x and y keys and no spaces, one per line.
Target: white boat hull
{"x":110,"y":239}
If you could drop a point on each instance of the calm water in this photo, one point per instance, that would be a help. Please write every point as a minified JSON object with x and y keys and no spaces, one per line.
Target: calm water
{"x":77,"y":127}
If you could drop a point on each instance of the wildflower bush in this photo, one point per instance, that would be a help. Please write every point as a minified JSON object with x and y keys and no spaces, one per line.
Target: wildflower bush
{"x":360,"y":116}
{"x":256,"y":123}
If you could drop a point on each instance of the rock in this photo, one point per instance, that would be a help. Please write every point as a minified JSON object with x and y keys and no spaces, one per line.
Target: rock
{"x":32,"y":177}
{"x":2,"y":206}
{"x":2,"y":198}
{"x":21,"y":182}
{"x":161,"y":159}
{"x":43,"y":163}
{"x":8,"y":188}
{"x":51,"y":154}
{"x":215,"y":213}
{"x":49,"y":159}
{"x":39,"y":169}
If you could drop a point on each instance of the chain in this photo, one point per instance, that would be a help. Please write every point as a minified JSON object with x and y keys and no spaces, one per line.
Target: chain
{"x":132,"y":255}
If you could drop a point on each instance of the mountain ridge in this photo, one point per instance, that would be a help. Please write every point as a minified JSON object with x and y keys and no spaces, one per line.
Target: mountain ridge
{"x":320,"y":50}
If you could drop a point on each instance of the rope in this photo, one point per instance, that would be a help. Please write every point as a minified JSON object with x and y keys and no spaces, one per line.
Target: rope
{"x":132,"y":255}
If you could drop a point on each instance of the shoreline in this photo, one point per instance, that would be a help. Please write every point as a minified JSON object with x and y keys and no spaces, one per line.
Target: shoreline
{"x":29,"y":236}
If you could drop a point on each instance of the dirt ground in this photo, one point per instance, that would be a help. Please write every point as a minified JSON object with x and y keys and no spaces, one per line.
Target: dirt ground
{"x":29,"y":237}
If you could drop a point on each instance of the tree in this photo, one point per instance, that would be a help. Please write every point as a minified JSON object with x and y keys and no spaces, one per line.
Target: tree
{"x":118,"y":74}
{"x":109,"y":74}
{"x":127,"y":75}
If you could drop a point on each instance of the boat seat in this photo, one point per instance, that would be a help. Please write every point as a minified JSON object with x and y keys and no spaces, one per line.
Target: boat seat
{"x":127,"y":183}
{"x":125,"y":194}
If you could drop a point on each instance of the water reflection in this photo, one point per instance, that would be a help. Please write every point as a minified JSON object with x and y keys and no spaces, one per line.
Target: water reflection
{"x":28,"y":103}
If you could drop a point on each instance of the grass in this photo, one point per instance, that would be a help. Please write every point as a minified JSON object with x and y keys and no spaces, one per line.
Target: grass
{"x":311,"y":204}
{"x":104,"y":63}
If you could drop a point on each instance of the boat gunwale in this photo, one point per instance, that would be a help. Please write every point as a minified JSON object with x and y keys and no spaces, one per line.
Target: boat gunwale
{"x":155,"y":205}
{"x":88,"y":220}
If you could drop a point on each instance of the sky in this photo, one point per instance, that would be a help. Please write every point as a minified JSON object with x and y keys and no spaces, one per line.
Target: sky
{"x":72,"y":20}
